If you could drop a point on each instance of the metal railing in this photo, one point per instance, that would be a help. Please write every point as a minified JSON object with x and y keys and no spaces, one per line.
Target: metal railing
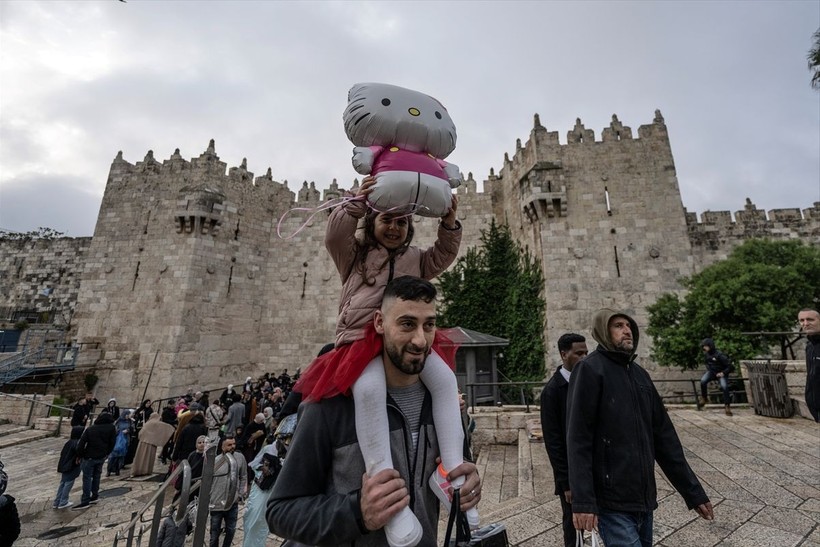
{"x":138,"y":524}
{"x":525,"y":391}
{"x":157,"y":501}
{"x":49,"y":406}
{"x":44,"y":359}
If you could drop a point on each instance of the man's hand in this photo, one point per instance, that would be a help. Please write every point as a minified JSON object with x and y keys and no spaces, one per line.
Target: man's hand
{"x":471,"y":489}
{"x":568,"y":496}
{"x":705,"y":510}
{"x":383,"y":496}
{"x":585,"y":521}
{"x":449,"y":219}
{"x":719,"y":375}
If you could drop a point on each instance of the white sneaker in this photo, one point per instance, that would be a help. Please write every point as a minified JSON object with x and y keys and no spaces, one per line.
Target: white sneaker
{"x":66,"y":505}
{"x":440,"y":486}
{"x":403,"y":530}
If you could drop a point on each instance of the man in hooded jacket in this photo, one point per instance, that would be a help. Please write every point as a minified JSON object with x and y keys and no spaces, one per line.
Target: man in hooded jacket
{"x":617,"y":428}
{"x":718,"y":367}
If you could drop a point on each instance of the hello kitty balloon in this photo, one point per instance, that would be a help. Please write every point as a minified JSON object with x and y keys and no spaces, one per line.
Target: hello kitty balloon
{"x":401,"y":138}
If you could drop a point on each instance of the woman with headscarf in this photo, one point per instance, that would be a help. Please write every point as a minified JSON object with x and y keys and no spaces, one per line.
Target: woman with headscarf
{"x":155,"y":433}
{"x":196,"y":460}
{"x":117,"y":458}
{"x":256,"y":527}
{"x":269,"y":418}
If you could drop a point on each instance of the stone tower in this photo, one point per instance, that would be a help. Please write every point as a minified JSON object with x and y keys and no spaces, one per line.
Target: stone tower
{"x":605,"y":216}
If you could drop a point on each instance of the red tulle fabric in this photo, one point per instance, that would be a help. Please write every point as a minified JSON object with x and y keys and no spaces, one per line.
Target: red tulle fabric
{"x":336,"y":371}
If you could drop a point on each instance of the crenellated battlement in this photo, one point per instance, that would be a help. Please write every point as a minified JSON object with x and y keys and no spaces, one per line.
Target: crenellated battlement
{"x":540,"y":137}
{"x":716,"y":233}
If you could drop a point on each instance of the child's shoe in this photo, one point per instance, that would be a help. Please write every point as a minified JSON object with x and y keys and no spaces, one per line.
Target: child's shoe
{"x":403,"y":530}
{"x":440,"y":486}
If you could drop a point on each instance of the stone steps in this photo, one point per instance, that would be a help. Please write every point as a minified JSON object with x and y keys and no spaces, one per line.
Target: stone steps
{"x":10,"y":429}
{"x":22,"y":437}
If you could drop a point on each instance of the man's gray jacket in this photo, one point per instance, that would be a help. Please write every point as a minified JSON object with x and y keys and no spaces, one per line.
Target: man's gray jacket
{"x":316,"y":498}
{"x":230,"y":482}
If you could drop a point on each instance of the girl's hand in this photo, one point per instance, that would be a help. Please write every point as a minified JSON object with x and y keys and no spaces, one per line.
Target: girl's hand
{"x":449,"y":219}
{"x":367,"y":186}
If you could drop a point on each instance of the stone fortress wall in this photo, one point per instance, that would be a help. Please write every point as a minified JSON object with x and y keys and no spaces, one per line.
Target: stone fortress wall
{"x":186,"y":276}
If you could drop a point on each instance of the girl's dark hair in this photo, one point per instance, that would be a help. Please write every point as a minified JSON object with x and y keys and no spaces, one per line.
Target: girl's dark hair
{"x":369,"y":242}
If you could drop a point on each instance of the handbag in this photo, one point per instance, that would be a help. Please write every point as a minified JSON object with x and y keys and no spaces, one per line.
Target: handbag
{"x":492,"y":535}
{"x":596,"y":539}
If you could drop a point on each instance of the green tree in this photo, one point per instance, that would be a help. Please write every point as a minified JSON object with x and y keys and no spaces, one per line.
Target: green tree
{"x":758,"y":288}
{"x":498,"y":289}
{"x":814,"y":60}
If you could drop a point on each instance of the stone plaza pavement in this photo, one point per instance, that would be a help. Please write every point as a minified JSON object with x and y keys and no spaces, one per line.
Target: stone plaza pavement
{"x":762,"y":474}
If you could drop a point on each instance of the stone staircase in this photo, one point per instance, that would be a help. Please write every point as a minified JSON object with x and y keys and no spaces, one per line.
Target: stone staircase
{"x":13,"y":435}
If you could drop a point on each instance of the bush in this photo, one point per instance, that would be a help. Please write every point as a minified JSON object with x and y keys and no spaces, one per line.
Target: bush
{"x":90,"y":380}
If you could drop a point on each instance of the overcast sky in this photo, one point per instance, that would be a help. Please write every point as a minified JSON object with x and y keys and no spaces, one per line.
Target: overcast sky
{"x":269,"y":80}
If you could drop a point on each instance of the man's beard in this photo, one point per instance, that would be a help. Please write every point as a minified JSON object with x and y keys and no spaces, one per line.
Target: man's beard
{"x":414,"y":366}
{"x":622,"y":346}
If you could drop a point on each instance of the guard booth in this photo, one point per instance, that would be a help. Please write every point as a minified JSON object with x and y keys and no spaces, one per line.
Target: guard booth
{"x":476,"y":363}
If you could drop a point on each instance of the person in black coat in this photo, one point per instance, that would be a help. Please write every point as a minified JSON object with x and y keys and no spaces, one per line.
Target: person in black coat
{"x":186,"y":443}
{"x":68,"y":467}
{"x":9,"y":516}
{"x":169,"y":416}
{"x":617,"y":429}
{"x":718,"y":367}
{"x":112,"y":408}
{"x":96,"y":443}
{"x":83,"y":409}
{"x":572,"y":348}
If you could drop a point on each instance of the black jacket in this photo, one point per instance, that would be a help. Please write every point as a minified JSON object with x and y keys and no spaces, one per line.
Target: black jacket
{"x":716,"y":361}
{"x":617,"y":428}
{"x":68,"y":455}
{"x":554,"y":427}
{"x":813,"y":376}
{"x":97,"y":441}
{"x":187,"y":439}
{"x":81,"y":412}
{"x":169,"y":416}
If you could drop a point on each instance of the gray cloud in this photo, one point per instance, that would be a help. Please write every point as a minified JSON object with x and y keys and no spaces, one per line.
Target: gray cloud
{"x":268,"y":81}
{"x":49,"y":201}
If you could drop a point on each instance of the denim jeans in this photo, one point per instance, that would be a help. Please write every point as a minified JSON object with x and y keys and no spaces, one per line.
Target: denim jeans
{"x":625,"y":529}
{"x":724,"y":385}
{"x":92,"y":469}
{"x":229,"y":518}
{"x":66,"y":484}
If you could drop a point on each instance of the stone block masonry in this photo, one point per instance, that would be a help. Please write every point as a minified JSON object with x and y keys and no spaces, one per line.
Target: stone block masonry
{"x":186,"y":275}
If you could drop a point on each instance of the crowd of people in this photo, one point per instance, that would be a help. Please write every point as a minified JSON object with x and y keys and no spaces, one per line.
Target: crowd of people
{"x":241,"y":422}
